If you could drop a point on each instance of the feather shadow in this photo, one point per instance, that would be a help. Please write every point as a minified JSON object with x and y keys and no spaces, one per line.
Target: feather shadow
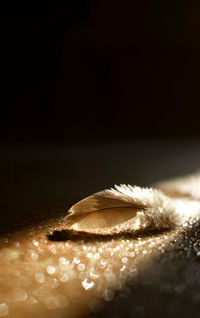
{"x":66,"y":235}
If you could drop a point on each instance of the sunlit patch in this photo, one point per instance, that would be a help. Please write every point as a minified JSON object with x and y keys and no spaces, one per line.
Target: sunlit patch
{"x":49,"y":275}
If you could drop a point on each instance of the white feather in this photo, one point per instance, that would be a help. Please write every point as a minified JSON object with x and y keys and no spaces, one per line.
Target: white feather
{"x":123,"y":209}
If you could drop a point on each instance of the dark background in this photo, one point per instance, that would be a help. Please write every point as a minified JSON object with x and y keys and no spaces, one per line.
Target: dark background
{"x":99,"y":70}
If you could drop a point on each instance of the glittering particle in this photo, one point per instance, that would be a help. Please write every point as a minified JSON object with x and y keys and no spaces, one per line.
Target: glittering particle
{"x":89,"y":255}
{"x":63,"y":278}
{"x":124,"y":260}
{"x":17,"y":244}
{"x":117,"y":248}
{"x":62,"y":260}
{"x":94,"y":275}
{"x":96,"y":256}
{"x":76,"y":260}
{"x":83,"y":275}
{"x":196,"y":246}
{"x":133,"y":271}
{"x":122,"y":268}
{"x":35,"y":243}
{"x":53,"y":250}
{"x":32,"y":301}
{"x":3,"y":310}
{"x":108,"y":295}
{"x":51,"y":270}
{"x":34,"y":256}
{"x":9,"y":254}
{"x":86,"y":285}
{"x":54,"y":283}
{"x":40,"y":250}
{"x":40,"y":278}
{"x":103,"y":263}
{"x":109,"y":268}
{"x":81,"y":267}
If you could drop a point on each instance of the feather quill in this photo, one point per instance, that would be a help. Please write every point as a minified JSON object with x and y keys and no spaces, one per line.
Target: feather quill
{"x":124,"y":209}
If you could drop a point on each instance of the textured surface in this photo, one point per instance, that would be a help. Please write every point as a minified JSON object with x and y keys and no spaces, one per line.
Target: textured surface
{"x":47,"y":272}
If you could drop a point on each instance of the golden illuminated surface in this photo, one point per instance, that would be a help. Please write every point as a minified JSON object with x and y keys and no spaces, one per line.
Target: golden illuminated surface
{"x":41,"y":277}
{"x":79,"y":275}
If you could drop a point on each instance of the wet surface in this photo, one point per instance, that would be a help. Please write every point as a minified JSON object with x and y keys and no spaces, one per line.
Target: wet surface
{"x":73,"y":277}
{"x":47,"y":272}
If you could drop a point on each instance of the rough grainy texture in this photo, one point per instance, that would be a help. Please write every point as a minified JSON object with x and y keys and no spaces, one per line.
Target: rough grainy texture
{"x":47,"y":272}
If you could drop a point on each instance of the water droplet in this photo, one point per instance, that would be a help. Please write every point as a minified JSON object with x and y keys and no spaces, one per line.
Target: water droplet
{"x":196,"y":246}
{"x":108,"y":295}
{"x":64,"y":278}
{"x":94,"y":275}
{"x":76,"y":260}
{"x":63,"y":260}
{"x":132,"y":254}
{"x":83,"y":275}
{"x":124,"y":260}
{"x":54,"y":283}
{"x":53,"y":250}
{"x":87,"y":285}
{"x":89,"y":255}
{"x":34,"y":256}
{"x":103,"y":262}
{"x":122,"y":268}
{"x":96,"y":256}
{"x":35,"y":243}
{"x":3,"y":309}
{"x":32,"y":301}
{"x":133,"y":271}
{"x":81,"y":267}
{"x":51,"y":270}
{"x":40,"y":278}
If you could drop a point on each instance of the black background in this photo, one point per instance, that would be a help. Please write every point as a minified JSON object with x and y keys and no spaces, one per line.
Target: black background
{"x":99,"y":70}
